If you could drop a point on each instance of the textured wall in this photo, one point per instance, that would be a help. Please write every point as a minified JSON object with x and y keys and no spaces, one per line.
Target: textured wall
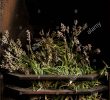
{"x":13,"y":16}
{"x":6,"y":13}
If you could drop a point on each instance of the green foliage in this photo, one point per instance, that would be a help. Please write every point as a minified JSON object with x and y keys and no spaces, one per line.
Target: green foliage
{"x":94,"y":96}
{"x":60,"y":52}
{"x":43,"y":85}
{"x":57,"y":52}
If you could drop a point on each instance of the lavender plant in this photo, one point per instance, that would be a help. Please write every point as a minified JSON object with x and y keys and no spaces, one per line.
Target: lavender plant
{"x":13,"y":55}
{"x":57,"y":52}
{"x":61,"y":52}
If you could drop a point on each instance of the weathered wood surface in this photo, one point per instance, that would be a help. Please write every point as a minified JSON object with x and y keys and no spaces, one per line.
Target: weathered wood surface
{"x":28,"y":91}
{"x":7,"y":8}
{"x":53,"y":77}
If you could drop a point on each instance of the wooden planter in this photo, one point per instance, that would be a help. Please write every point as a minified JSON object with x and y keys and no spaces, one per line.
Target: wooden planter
{"x":18,"y":85}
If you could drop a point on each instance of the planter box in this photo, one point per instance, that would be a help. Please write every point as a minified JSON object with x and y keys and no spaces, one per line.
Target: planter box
{"x":18,"y":84}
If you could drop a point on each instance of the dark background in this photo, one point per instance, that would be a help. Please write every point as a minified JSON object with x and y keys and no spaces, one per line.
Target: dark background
{"x":49,"y":13}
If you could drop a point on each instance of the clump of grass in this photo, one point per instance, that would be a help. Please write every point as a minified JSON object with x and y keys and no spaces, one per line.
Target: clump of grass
{"x":94,"y":96}
{"x":61,"y":53}
{"x":46,"y":85}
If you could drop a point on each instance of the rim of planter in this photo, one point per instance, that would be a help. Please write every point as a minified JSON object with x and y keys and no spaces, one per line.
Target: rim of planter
{"x":28,"y":91}
{"x":88,"y":77}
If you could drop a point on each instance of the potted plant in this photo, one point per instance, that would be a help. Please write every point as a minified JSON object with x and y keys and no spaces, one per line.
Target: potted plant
{"x":56,"y":55}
